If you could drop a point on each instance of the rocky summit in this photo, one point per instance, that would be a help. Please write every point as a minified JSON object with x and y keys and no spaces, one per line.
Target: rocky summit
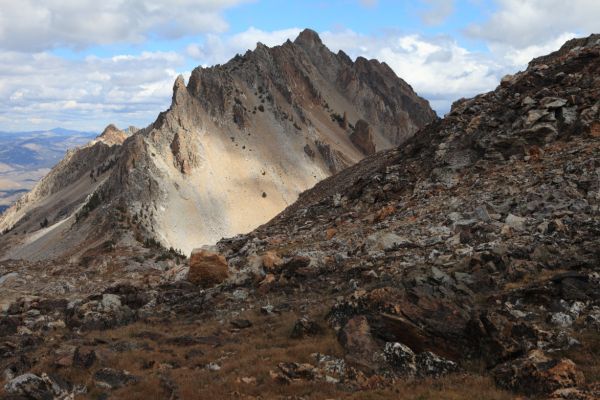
{"x":238,"y":144}
{"x":464,"y":263}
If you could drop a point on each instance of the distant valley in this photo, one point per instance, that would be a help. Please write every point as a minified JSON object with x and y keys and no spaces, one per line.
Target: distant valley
{"x":25,"y":157}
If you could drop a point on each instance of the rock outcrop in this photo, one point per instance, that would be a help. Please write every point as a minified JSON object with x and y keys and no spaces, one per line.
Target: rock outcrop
{"x":362,"y":137}
{"x":112,"y":136}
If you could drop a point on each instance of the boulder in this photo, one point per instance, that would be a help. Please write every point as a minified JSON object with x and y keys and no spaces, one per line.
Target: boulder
{"x":292,"y":265}
{"x":109,"y":378}
{"x":207,"y":269}
{"x":515,"y":222}
{"x":387,"y":241}
{"x":110,"y":302}
{"x":241,"y":323}
{"x":536,"y":374}
{"x":305,"y":327}
{"x":84,"y":357}
{"x":8,"y":326}
{"x":401,"y":358}
{"x":430,"y":364}
{"x":29,"y":386}
{"x":270,"y":261}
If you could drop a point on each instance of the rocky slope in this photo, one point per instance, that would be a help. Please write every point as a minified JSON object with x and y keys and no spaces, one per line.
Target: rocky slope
{"x":238,"y":144}
{"x":476,"y":240}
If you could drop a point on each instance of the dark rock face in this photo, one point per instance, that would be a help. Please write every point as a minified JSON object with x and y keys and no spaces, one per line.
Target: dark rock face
{"x":305,"y":72}
{"x":362,"y":137}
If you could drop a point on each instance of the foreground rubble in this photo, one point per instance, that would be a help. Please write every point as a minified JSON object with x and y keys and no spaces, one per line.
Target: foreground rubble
{"x":469,"y":256}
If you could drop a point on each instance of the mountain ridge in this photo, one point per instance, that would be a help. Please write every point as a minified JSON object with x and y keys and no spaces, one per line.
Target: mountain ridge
{"x":264,"y":126}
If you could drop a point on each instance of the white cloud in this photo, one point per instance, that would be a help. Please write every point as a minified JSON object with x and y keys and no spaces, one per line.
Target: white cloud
{"x":438,"y":68}
{"x":218,"y":49}
{"x":41,"y":88}
{"x":44,"y":90}
{"x":524,"y":23}
{"x":438,"y":11}
{"x":38,"y":25}
{"x":519,"y":57}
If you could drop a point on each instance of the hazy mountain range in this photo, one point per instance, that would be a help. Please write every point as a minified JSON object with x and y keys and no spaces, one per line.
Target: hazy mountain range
{"x":25,"y":157}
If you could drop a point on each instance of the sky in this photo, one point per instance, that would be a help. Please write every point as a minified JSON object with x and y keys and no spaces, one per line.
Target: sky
{"x":82,"y":64}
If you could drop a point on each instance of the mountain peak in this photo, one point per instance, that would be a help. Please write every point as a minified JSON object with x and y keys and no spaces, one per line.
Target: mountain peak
{"x":112,"y":135}
{"x":308,"y":37}
{"x":267,"y":125}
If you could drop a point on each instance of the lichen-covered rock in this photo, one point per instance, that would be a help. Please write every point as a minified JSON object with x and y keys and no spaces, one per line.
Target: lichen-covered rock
{"x":537,"y":373}
{"x":110,"y":378}
{"x":401,"y":358}
{"x":430,"y":364}
{"x":29,"y":386}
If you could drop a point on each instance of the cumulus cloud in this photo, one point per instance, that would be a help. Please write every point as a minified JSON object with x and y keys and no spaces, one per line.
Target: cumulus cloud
{"x":519,"y":57}
{"x":217,"y":49}
{"x":524,"y":23}
{"x":438,"y":68}
{"x":39,"y":89}
{"x":38,"y":25}
{"x":43,"y":90}
{"x":437,"y":11}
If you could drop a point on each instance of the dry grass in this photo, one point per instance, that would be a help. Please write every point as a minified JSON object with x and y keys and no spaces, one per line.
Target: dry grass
{"x":252,"y":353}
{"x":587,"y":357}
{"x":143,"y":350}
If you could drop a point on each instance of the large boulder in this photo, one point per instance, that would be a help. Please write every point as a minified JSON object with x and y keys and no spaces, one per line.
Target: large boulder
{"x":207,"y":269}
{"x":537,"y":373}
{"x":34,"y":387}
{"x":401,"y":358}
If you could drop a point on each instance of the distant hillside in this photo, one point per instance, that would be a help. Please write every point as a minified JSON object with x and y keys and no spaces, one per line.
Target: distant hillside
{"x":25,"y":157}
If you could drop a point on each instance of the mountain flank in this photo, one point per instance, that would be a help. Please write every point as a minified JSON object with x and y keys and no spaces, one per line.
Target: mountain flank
{"x":238,"y":144}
